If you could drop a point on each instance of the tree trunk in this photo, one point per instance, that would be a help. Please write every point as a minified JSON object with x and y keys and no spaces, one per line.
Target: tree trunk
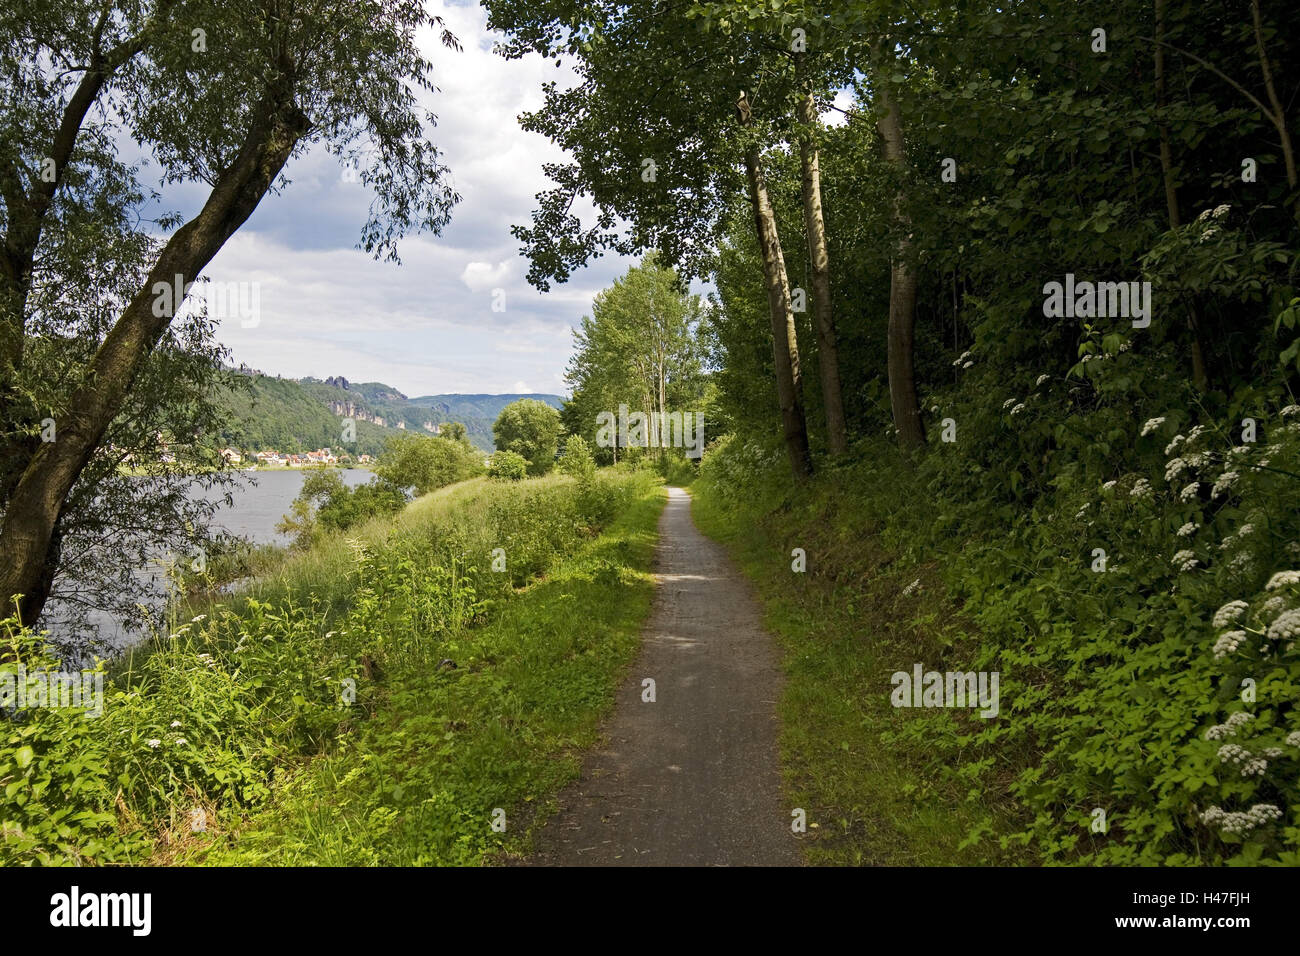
{"x":26,"y":221}
{"x":828,"y":358}
{"x":785,"y":344}
{"x":1199,"y":377}
{"x":902,"y":281}
{"x":663,"y":407}
{"x":27,"y":536}
{"x":1278,"y":115}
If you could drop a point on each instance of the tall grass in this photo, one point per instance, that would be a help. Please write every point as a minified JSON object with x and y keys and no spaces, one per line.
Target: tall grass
{"x":211,"y":731}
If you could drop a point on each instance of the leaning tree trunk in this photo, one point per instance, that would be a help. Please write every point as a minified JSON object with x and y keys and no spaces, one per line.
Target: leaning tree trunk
{"x":1278,"y":112}
{"x":902,"y":282}
{"x":27,"y":537}
{"x":828,"y":358}
{"x":785,"y":344}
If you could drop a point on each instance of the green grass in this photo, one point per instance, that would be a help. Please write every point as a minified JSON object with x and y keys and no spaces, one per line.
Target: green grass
{"x":417,"y":783}
{"x":317,"y":717}
{"x":844,"y":627}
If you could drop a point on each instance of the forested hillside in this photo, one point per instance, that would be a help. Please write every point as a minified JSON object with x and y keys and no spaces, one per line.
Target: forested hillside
{"x":1006,"y":342}
{"x":297,"y":415}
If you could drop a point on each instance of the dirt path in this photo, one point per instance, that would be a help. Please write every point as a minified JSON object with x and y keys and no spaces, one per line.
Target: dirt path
{"x":692,"y":778}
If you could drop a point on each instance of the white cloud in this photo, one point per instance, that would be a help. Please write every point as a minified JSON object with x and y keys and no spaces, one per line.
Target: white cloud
{"x":426,"y":326}
{"x":483,"y":275}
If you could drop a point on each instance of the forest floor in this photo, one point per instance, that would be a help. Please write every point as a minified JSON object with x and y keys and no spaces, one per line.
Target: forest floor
{"x":691,"y":777}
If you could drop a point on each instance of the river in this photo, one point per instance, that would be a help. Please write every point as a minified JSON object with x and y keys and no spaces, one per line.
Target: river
{"x":259,"y":502}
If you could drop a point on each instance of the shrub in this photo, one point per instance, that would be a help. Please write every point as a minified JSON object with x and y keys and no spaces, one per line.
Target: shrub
{"x":578,"y":461}
{"x":427,"y":463}
{"x":532,"y":429}
{"x":508,"y":466}
{"x":326,"y":504}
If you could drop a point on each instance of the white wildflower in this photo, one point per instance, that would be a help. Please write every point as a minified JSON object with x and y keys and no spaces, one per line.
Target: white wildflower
{"x":1230,"y":726}
{"x":1238,"y":823}
{"x":1228,"y":643}
{"x":175,"y":723}
{"x":1233,"y":753}
{"x":1151,"y":425}
{"x":1282,"y":579}
{"x":1018,"y":409}
{"x":1178,"y":440}
{"x":1190,"y":492}
{"x":181,"y":741}
{"x":1041,"y":379}
{"x":1185,"y":560}
{"x":1273,"y":606}
{"x":1229,"y":613}
{"x":1223,"y":484}
{"x":1241,"y":563}
{"x":1174,"y":468}
{"x":1141,"y":489}
{"x":1008,"y":403}
{"x":1286,"y":627}
{"x":154,"y":743}
{"x":1290,"y":410}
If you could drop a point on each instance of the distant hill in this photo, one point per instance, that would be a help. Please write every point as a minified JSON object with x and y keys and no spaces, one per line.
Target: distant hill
{"x":476,"y":412}
{"x":296,"y":415}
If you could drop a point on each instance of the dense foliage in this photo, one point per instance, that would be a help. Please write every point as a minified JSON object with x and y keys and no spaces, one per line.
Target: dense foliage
{"x":423,"y":463}
{"x":531,"y":429}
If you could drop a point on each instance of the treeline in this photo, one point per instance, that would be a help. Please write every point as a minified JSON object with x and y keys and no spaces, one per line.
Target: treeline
{"x":894,"y":203}
{"x":641,"y":351}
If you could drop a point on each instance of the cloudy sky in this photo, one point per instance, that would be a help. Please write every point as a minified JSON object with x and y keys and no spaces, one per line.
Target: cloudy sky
{"x":426,"y":326}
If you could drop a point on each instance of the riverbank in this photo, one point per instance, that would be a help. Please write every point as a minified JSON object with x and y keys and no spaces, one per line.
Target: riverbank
{"x":373,"y":700}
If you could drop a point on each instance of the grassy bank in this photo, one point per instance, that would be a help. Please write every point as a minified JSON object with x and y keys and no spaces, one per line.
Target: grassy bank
{"x":372,"y":701}
{"x":1143,"y":628}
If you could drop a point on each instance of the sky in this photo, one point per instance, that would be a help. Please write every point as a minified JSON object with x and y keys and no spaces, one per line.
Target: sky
{"x":427,"y":326}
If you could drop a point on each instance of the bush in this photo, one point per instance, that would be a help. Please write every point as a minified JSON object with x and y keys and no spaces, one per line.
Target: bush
{"x":532,"y":429}
{"x":578,"y":461}
{"x":325,"y":503}
{"x":508,"y":466}
{"x":427,"y":463}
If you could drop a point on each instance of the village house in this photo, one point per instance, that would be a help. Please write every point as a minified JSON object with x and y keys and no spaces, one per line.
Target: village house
{"x":232,"y":456}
